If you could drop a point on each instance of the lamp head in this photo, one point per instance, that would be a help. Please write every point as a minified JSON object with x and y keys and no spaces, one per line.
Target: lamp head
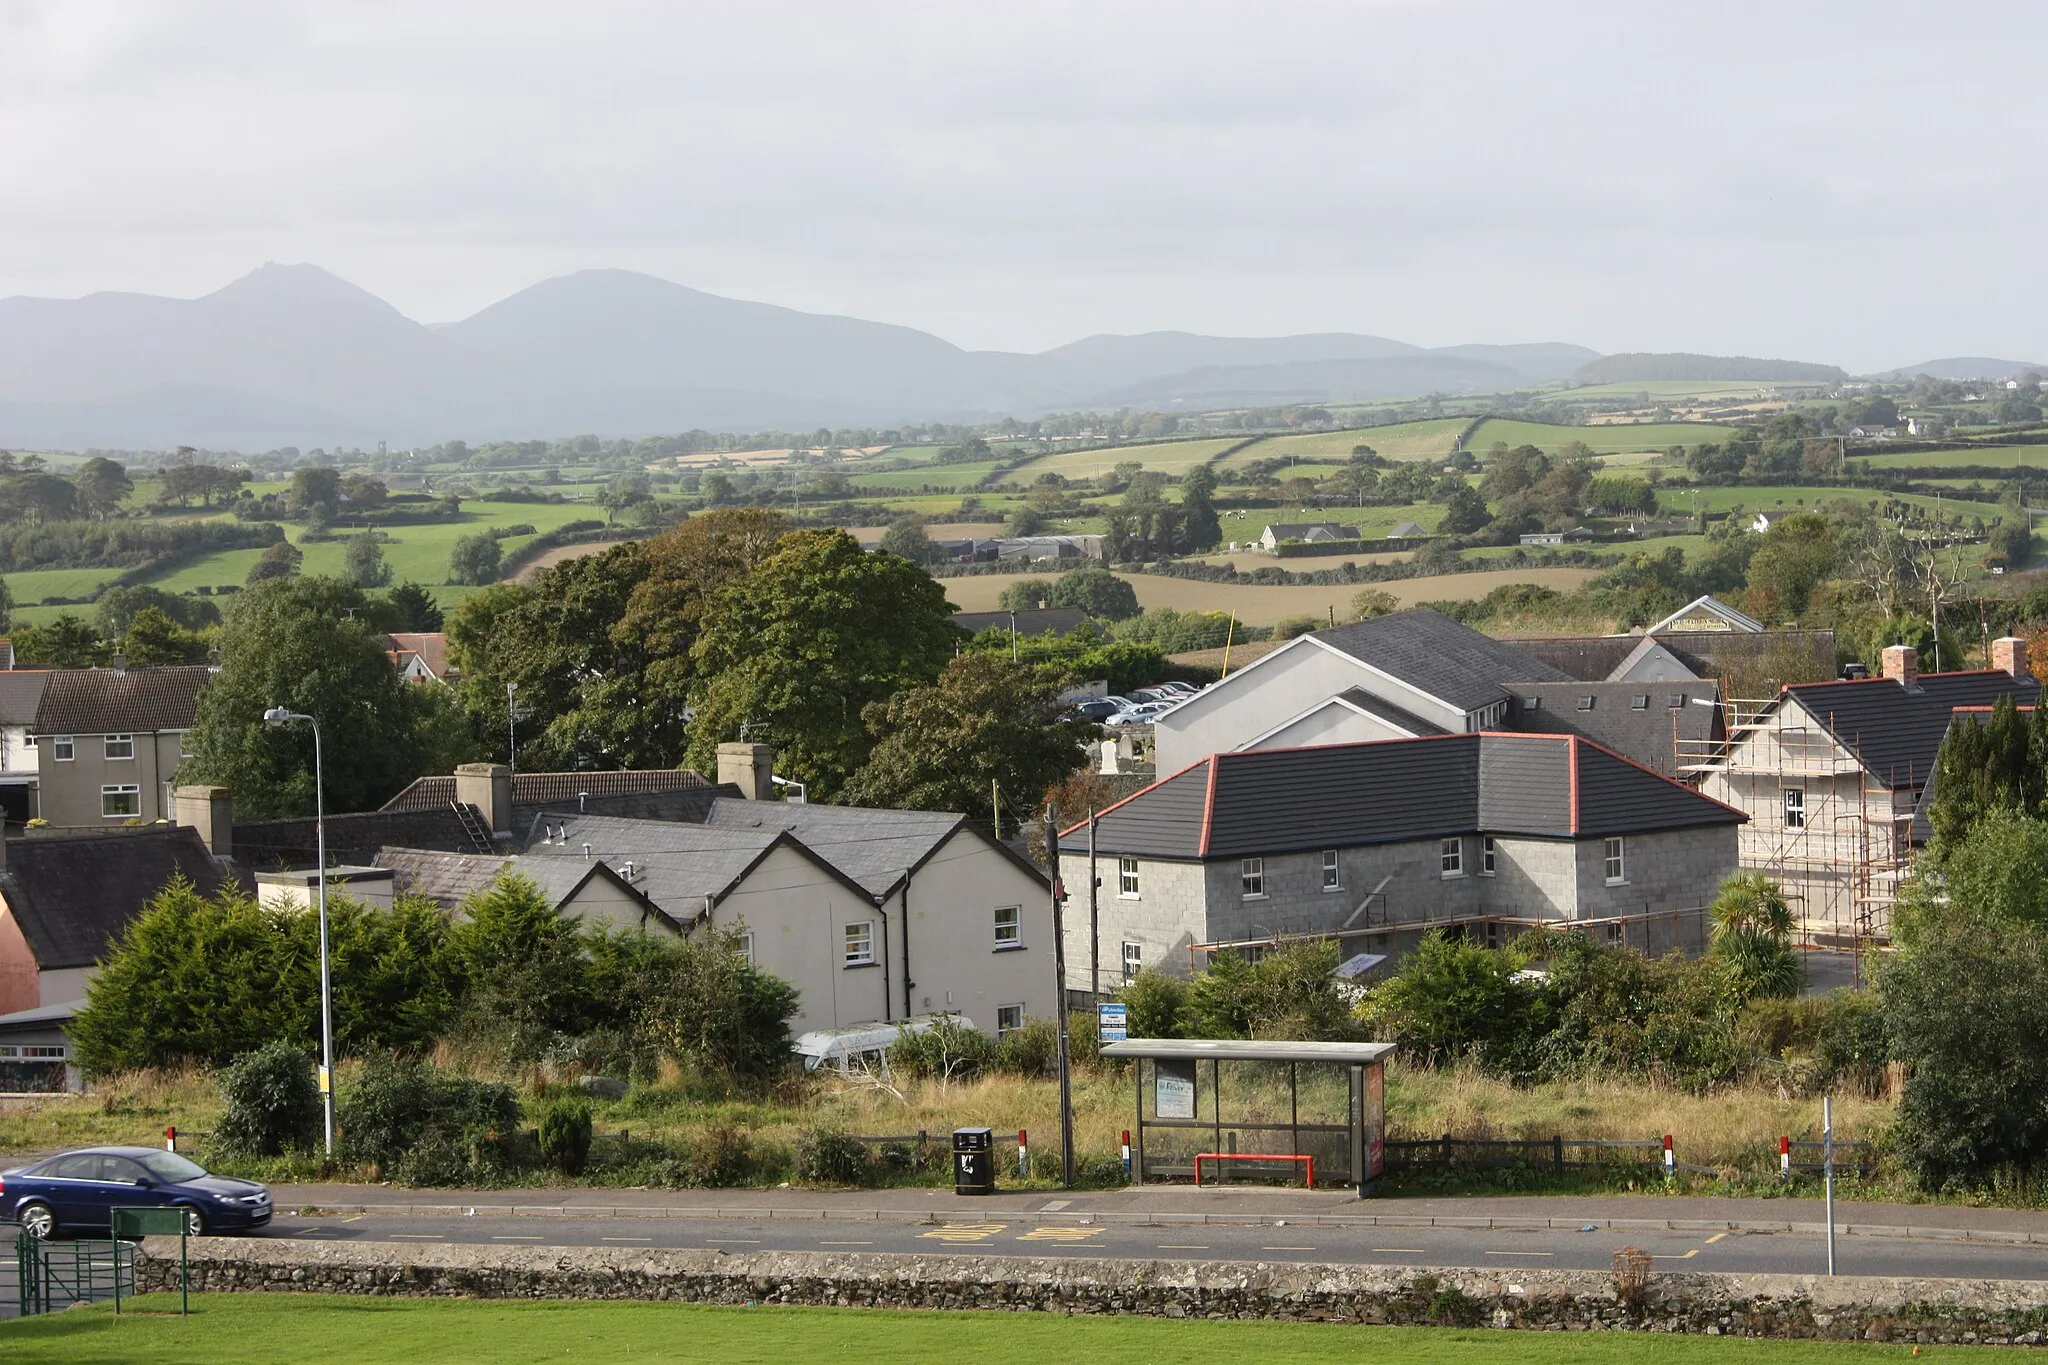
{"x":276,"y":715}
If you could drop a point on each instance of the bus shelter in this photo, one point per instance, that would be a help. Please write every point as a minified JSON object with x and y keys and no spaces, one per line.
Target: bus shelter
{"x":1212,"y":1109}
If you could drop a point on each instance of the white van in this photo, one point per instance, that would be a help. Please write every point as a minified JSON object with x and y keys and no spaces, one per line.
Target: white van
{"x":863,"y":1045}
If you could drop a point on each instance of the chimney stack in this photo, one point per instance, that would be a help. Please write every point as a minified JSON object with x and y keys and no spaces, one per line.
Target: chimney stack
{"x":211,"y":811}
{"x":750,"y":767}
{"x":488,"y":787}
{"x":2009,"y":655}
{"x":1902,"y":664}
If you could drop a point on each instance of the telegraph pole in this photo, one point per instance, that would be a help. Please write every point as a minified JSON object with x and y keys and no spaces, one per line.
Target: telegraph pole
{"x":1059,"y":969}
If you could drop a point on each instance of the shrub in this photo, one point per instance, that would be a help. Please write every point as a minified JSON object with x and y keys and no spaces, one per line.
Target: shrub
{"x":270,"y":1104}
{"x":1157,"y":1005}
{"x":1033,"y":1050}
{"x":426,"y":1128}
{"x":827,"y":1156}
{"x":565,"y":1133}
{"x":719,"y":1158}
{"x":948,"y":1050}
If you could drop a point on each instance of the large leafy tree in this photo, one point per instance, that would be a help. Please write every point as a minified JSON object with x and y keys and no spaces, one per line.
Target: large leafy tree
{"x":103,"y":485}
{"x":985,"y":723}
{"x":797,"y":648}
{"x":302,"y":643}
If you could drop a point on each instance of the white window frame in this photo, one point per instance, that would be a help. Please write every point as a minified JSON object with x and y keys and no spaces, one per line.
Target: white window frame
{"x":1450,"y":857}
{"x":1010,"y":931}
{"x":1333,"y":871}
{"x":1614,"y":860}
{"x":1005,"y":1030}
{"x":747,"y":946}
{"x":1251,"y":878}
{"x":859,"y":943}
{"x":1794,"y":806}
{"x":1127,"y":879}
{"x":120,"y":789}
{"x":1486,"y":852}
{"x":63,"y":748}
{"x":108,"y":742}
{"x":1133,"y":958}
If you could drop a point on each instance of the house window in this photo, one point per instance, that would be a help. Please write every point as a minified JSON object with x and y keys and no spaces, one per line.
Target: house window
{"x":1639,"y":702}
{"x":44,"y":1050}
{"x":120,"y":746}
{"x":1127,"y":876}
{"x":1333,"y":876}
{"x":1010,"y":926}
{"x":120,"y":803}
{"x":1451,"y":857}
{"x":1009,"y":1019}
{"x":860,"y":943}
{"x":1134,"y":960}
{"x":1676,"y":703}
{"x":1486,"y":855}
{"x":1795,"y":808}
{"x":1251,"y":874}
{"x":1617,"y":868}
{"x":1532,"y":703}
{"x":1585,"y":703}
{"x":62,"y":748}
{"x":747,"y":946}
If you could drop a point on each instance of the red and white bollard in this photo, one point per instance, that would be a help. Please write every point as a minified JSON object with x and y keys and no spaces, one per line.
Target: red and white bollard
{"x":1127,"y":1154}
{"x":1784,"y":1160}
{"x":171,"y":1138}
{"x":1670,"y":1160}
{"x":1023,"y":1155}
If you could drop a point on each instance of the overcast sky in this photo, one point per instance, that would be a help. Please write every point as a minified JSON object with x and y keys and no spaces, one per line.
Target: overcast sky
{"x":1858,"y":183}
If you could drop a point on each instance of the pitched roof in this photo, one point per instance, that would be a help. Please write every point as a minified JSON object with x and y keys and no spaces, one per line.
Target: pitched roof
{"x":1358,"y":699}
{"x":554,"y":789}
{"x":677,"y":866}
{"x":1439,"y":656}
{"x":449,"y":878}
{"x":73,"y":895}
{"x":100,"y":701}
{"x":1644,"y":735}
{"x":431,"y":646}
{"x":1349,"y":795}
{"x":21,"y":692}
{"x":1895,"y":730}
{"x":874,"y":847}
{"x":1709,"y":605}
{"x":1311,"y":530}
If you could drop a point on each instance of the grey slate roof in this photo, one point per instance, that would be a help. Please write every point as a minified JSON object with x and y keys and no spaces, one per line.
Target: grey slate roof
{"x":73,"y":895}
{"x":1387,"y":711}
{"x":677,"y":866}
{"x":102,"y":701}
{"x":874,"y":847}
{"x":449,"y":878}
{"x":1439,"y":656}
{"x":1897,"y":730}
{"x":1644,"y":736}
{"x":1349,"y":795}
{"x":554,"y":790}
{"x":1305,"y":530}
{"x":21,"y":692}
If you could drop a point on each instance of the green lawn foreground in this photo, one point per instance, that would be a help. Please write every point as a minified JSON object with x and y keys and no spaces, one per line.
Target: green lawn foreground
{"x":255,"y":1329}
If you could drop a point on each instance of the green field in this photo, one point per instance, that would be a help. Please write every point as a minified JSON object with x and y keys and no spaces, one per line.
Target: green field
{"x":283,"y":1329}
{"x":2002,"y":457}
{"x":1430,"y":440}
{"x":1685,"y":388}
{"x":1170,"y":457}
{"x":1758,"y":498}
{"x":1605,"y":440}
{"x":937,"y":475}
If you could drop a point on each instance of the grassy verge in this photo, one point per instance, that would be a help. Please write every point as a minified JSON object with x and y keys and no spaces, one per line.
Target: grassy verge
{"x":261,"y":1328}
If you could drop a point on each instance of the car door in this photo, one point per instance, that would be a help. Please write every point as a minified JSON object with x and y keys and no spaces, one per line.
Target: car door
{"x":71,"y":1183}
{"x":118,"y":1188}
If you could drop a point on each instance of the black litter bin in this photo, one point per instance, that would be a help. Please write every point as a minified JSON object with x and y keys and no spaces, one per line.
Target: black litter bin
{"x":974,"y":1161}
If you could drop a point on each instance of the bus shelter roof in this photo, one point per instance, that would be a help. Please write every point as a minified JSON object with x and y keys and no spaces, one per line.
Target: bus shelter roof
{"x":1248,"y":1050}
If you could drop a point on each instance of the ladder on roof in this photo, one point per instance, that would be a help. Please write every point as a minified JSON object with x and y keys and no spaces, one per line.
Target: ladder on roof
{"x":473,"y":826}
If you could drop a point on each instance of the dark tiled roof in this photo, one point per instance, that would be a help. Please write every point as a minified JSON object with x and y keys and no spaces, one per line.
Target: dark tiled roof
{"x":1348,"y":795}
{"x":874,"y":847}
{"x":1588,"y":658}
{"x":72,"y":896}
{"x":21,"y":692}
{"x":440,"y":875}
{"x":1301,"y":530}
{"x":431,"y":646}
{"x":553,"y":789}
{"x":356,"y":837}
{"x":1644,"y":736}
{"x":1437,"y":655}
{"x":99,"y":701}
{"x":1387,"y":711}
{"x":1038,"y":621}
{"x":1896,"y":730}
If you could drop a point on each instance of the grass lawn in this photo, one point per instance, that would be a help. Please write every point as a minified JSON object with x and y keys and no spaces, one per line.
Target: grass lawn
{"x":1605,"y":440}
{"x":260,"y":1328}
{"x":34,"y":585}
{"x":2002,"y":457}
{"x":1426,"y":440}
{"x":1171,"y":457}
{"x":937,"y":475}
{"x":1678,"y":501}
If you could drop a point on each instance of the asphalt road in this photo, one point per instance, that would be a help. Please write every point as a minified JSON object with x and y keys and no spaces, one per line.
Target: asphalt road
{"x":1733,"y":1252}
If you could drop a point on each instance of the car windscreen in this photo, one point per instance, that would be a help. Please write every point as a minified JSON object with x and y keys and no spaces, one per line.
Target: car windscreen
{"x":171,"y":1167}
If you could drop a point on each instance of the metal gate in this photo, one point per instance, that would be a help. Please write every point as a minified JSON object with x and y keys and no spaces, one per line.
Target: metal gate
{"x":49,"y":1275}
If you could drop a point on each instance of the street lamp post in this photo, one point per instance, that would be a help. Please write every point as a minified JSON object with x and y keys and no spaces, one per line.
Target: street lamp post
{"x":277,"y":715}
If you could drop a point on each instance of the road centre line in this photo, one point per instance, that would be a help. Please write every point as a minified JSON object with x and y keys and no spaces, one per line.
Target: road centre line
{"x":513,"y":1237}
{"x":1182,"y":1246}
{"x":1715,"y":1238}
{"x":1287,"y":1248}
{"x":1521,"y":1253}
{"x":1405,"y":1251}
{"x":625,"y":1239}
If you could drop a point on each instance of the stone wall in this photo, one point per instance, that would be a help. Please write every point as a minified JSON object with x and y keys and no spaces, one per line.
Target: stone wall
{"x":1794,"y":1306}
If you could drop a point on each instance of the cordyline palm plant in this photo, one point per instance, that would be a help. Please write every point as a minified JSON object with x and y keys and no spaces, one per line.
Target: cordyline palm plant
{"x":1752,"y":933}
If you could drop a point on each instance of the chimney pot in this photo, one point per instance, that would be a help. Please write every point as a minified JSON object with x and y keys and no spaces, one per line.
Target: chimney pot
{"x":1902,"y":664}
{"x":2009,"y":655}
{"x":750,"y":767}
{"x":211,"y":811}
{"x":488,"y":787}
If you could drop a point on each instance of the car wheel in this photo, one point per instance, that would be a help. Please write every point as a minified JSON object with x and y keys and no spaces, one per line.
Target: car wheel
{"x":37,"y":1220}
{"x":195,"y":1222}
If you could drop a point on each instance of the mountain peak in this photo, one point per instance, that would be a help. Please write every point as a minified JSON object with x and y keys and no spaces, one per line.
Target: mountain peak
{"x":296,"y":285}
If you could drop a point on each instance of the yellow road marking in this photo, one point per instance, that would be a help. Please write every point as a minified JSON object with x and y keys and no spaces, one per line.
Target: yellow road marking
{"x":1715,"y":1238}
{"x":1059,"y":1234}
{"x":625,"y":1239}
{"x":963,"y":1232}
{"x":357,"y":1219}
{"x":1687,"y":1257}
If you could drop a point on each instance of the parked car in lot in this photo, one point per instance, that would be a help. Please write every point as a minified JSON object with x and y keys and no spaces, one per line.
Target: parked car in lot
{"x":1141,"y":714}
{"x":78,"y":1191}
{"x":1097,"y":709}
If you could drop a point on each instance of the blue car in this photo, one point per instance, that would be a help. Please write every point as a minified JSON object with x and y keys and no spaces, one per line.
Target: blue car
{"x":79,"y":1190}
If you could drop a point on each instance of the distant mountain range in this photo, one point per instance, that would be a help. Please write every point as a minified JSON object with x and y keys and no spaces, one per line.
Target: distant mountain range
{"x":1968,"y":367}
{"x":292,"y":355}
{"x":1636,"y":366}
